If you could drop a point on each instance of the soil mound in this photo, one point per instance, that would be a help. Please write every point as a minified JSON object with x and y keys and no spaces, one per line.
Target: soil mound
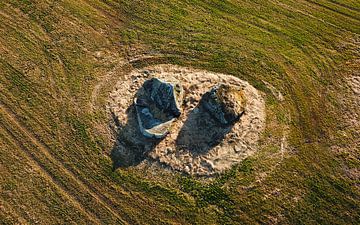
{"x":213,"y":131}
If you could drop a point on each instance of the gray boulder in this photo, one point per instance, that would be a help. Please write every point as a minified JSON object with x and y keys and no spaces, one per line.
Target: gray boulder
{"x":158,"y":104}
{"x":225,"y":103}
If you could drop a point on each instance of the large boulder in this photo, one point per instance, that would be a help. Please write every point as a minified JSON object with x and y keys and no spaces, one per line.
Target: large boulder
{"x":158,"y":104}
{"x":225,"y":103}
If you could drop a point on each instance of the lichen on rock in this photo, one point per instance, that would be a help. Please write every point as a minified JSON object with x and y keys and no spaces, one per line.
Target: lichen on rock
{"x":225,"y":103}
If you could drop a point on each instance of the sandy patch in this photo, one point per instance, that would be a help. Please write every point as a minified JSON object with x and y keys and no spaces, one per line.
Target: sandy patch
{"x":196,"y":144}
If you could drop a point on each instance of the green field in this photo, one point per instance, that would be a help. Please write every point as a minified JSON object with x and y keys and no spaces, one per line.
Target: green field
{"x":59,"y":60}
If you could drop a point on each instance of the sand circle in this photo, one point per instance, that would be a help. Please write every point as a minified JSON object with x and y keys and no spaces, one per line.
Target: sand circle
{"x":196,"y":143}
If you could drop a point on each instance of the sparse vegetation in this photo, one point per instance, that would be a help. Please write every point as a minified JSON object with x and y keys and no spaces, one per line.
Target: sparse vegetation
{"x":54,"y":140}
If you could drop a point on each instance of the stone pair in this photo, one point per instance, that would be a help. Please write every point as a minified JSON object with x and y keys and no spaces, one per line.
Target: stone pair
{"x":158,"y":104}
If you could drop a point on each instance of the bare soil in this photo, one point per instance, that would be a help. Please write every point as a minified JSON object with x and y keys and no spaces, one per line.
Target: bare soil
{"x":197,"y":144}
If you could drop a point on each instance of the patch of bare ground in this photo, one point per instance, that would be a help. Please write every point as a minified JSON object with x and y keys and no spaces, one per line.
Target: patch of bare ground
{"x":349,"y":100}
{"x":196,"y":144}
{"x":352,"y":120}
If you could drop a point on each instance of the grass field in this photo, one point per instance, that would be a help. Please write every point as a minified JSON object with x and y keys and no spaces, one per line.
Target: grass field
{"x":60,"y":59}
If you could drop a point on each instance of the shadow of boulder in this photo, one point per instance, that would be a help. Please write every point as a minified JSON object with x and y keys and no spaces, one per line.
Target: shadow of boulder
{"x":156,"y":106}
{"x":201,"y":132}
{"x":131,"y":146}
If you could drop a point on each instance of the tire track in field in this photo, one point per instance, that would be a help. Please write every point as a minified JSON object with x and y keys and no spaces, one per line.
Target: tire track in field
{"x":37,"y":164}
{"x":306,"y":13}
{"x":333,"y":10}
{"x":319,"y":57}
{"x":312,"y":51}
{"x":105,"y":201}
{"x":9,"y":210}
{"x":323,"y":59}
{"x":350,"y":8}
{"x":46,"y":151}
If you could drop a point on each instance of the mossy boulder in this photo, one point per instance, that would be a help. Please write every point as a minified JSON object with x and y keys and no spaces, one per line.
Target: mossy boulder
{"x":225,"y":103}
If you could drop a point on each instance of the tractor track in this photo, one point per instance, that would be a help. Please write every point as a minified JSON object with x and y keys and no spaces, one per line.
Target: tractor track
{"x":350,"y":8}
{"x":47,"y":153}
{"x":333,"y":10}
{"x":7,"y":209}
{"x":37,"y":163}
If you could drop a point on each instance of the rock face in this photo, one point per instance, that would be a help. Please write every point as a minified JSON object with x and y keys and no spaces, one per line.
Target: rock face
{"x":158,"y":104}
{"x":226,"y":103}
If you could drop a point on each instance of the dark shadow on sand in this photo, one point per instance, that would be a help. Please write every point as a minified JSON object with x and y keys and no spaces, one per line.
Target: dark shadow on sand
{"x":201,"y":132}
{"x":131,"y":147}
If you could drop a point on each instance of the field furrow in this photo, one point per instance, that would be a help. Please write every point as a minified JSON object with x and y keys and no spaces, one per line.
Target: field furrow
{"x":37,"y":165}
{"x":80,"y":187}
{"x":60,"y":160}
{"x":333,"y":9}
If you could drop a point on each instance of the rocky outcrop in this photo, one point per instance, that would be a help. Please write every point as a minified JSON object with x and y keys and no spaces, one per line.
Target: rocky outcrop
{"x":225,"y":103}
{"x":197,"y":143}
{"x":158,"y":104}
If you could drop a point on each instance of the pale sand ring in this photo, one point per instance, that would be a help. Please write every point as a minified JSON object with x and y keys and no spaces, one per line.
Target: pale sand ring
{"x":195,"y":145}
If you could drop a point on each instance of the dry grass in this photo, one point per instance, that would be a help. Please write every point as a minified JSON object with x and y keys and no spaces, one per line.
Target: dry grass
{"x":55,"y":164}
